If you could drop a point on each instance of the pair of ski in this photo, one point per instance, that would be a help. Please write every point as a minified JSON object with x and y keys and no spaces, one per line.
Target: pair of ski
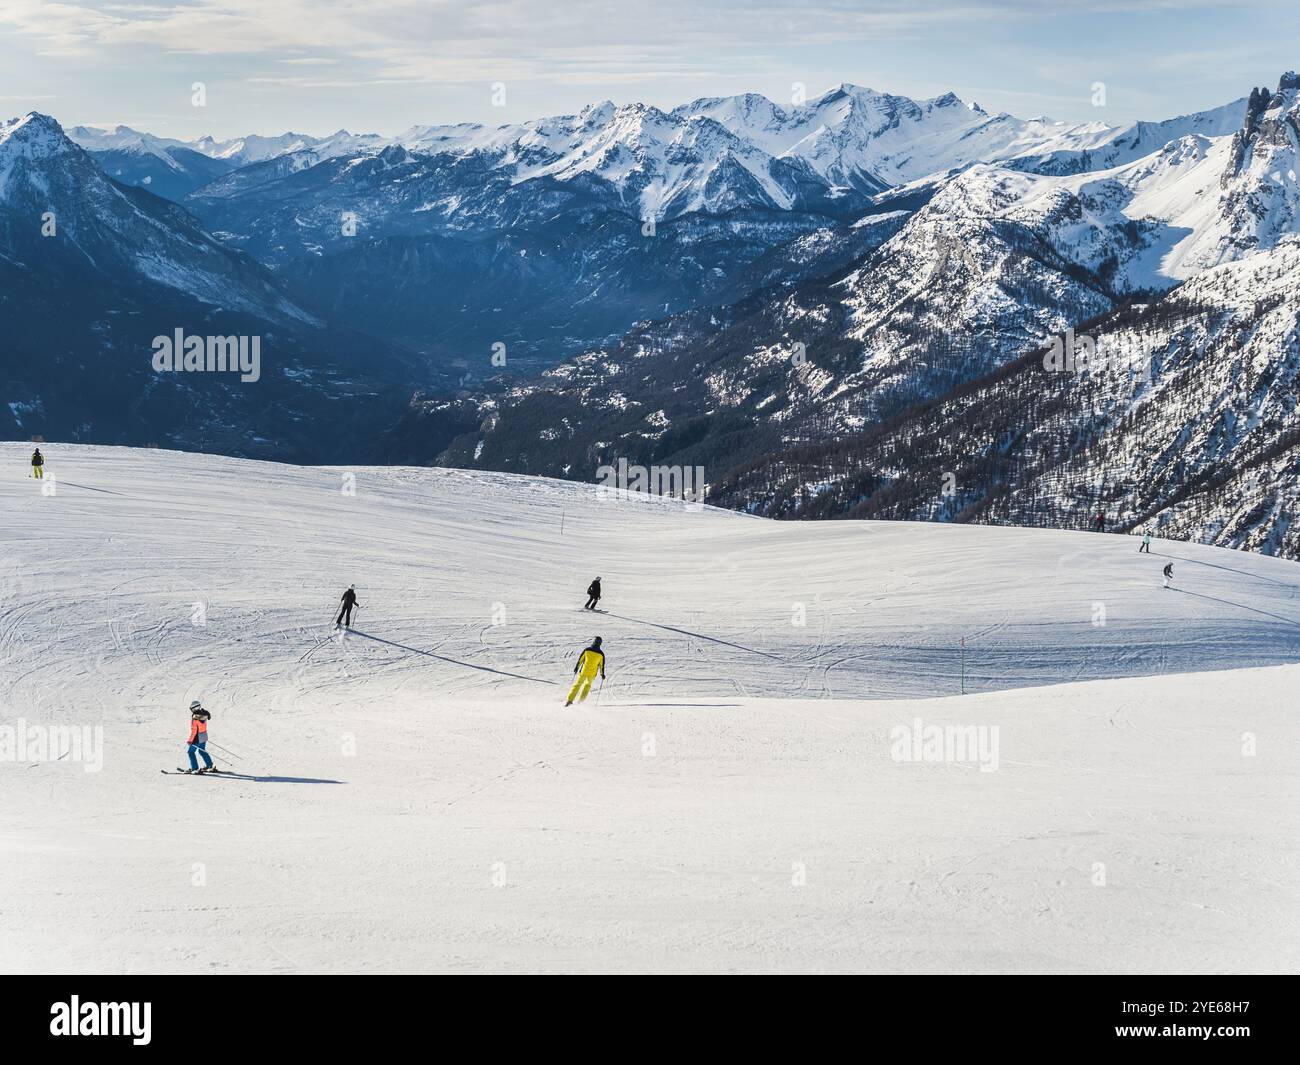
{"x":178,"y":772}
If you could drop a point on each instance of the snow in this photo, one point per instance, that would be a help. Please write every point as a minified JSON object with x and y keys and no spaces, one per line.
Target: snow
{"x":1175,"y":180}
{"x":126,"y":139}
{"x":416,"y":797}
{"x":33,"y":137}
{"x":712,"y":155}
{"x":853,"y":130}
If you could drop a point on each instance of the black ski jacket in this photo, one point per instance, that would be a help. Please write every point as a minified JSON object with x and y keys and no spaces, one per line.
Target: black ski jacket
{"x":593,"y":589}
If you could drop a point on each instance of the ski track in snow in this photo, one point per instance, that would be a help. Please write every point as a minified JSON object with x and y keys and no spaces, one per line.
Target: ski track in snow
{"x":385,"y":777}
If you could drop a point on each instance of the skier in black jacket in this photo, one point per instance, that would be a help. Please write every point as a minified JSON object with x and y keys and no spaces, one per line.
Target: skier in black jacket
{"x":345,"y":613}
{"x":593,"y":595}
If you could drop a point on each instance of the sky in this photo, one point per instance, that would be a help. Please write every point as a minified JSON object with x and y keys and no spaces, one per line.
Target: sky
{"x":315,"y":66}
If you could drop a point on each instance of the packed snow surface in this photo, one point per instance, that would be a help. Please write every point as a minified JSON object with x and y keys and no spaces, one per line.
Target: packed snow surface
{"x":413,"y":796}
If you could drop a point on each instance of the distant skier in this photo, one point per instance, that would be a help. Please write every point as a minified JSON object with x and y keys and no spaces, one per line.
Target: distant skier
{"x":348,"y":601}
{"x":1169,"y":574}
{"x":590,"y":662}
{"x":593,"y":595}
{"x":198,"y":740}
{"x":1146,"y":543}
{"x":38,"y":464}
{"x":1099,"y":522}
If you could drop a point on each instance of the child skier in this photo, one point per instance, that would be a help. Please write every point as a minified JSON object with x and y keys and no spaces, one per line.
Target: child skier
{"x":593,"y":595}
{"x":1146,"y":543}
{"x":1169,"y":574}
{"x":348,"y":601}
{"x":198,"y":740}
{"x":38,"y":464}
{"x":590,"y":662}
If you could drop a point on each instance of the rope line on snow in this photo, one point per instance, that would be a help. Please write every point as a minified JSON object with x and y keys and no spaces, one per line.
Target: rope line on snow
{"x":453,"y":661}
{"x":696,"y":635}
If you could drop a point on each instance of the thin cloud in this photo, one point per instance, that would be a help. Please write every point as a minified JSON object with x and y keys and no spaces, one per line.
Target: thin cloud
{"x":683,"y":49}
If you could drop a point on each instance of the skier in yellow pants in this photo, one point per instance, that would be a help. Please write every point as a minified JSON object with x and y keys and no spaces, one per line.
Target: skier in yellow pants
{"x":38,"y":464}
{"x":590,"y":662}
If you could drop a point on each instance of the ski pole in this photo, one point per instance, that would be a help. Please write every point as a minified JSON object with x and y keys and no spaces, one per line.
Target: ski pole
{"x":601,"y":690}
{"x":220,"y":748}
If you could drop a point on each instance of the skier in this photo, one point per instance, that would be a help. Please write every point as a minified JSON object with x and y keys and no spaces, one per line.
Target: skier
{"x":1099,"y":522}
{"x":593,"y":595}
{"x":1146,"y":543}
{"x":590,"y":662}
{"x":1169,"y":574}
{"x":198,"y":740}
{"x":345,"y":611}
{"x":38,"y":464}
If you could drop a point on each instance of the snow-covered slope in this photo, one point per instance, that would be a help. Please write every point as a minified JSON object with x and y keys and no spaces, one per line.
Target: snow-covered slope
{"x":858,"y":137}
{"x":1189,"y":205}
{"x":125,"y":139}
{"x":1114,"y":146}
{"x":414,"y":796}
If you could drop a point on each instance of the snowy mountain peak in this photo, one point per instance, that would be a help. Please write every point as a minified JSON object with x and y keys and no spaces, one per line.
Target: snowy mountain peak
{"x":36,"y":132}
{"x":847,"y":90}
{"x":597,"y":114}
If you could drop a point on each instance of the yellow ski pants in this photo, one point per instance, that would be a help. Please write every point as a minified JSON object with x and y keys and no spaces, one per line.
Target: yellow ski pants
{"x":584,"y":682}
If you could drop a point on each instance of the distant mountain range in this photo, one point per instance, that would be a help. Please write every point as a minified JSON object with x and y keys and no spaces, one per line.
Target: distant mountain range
{"x":857,"y":392}
{"x":791,"y":296}
{"x":91,"y":271}
{"x":465,"y":237}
